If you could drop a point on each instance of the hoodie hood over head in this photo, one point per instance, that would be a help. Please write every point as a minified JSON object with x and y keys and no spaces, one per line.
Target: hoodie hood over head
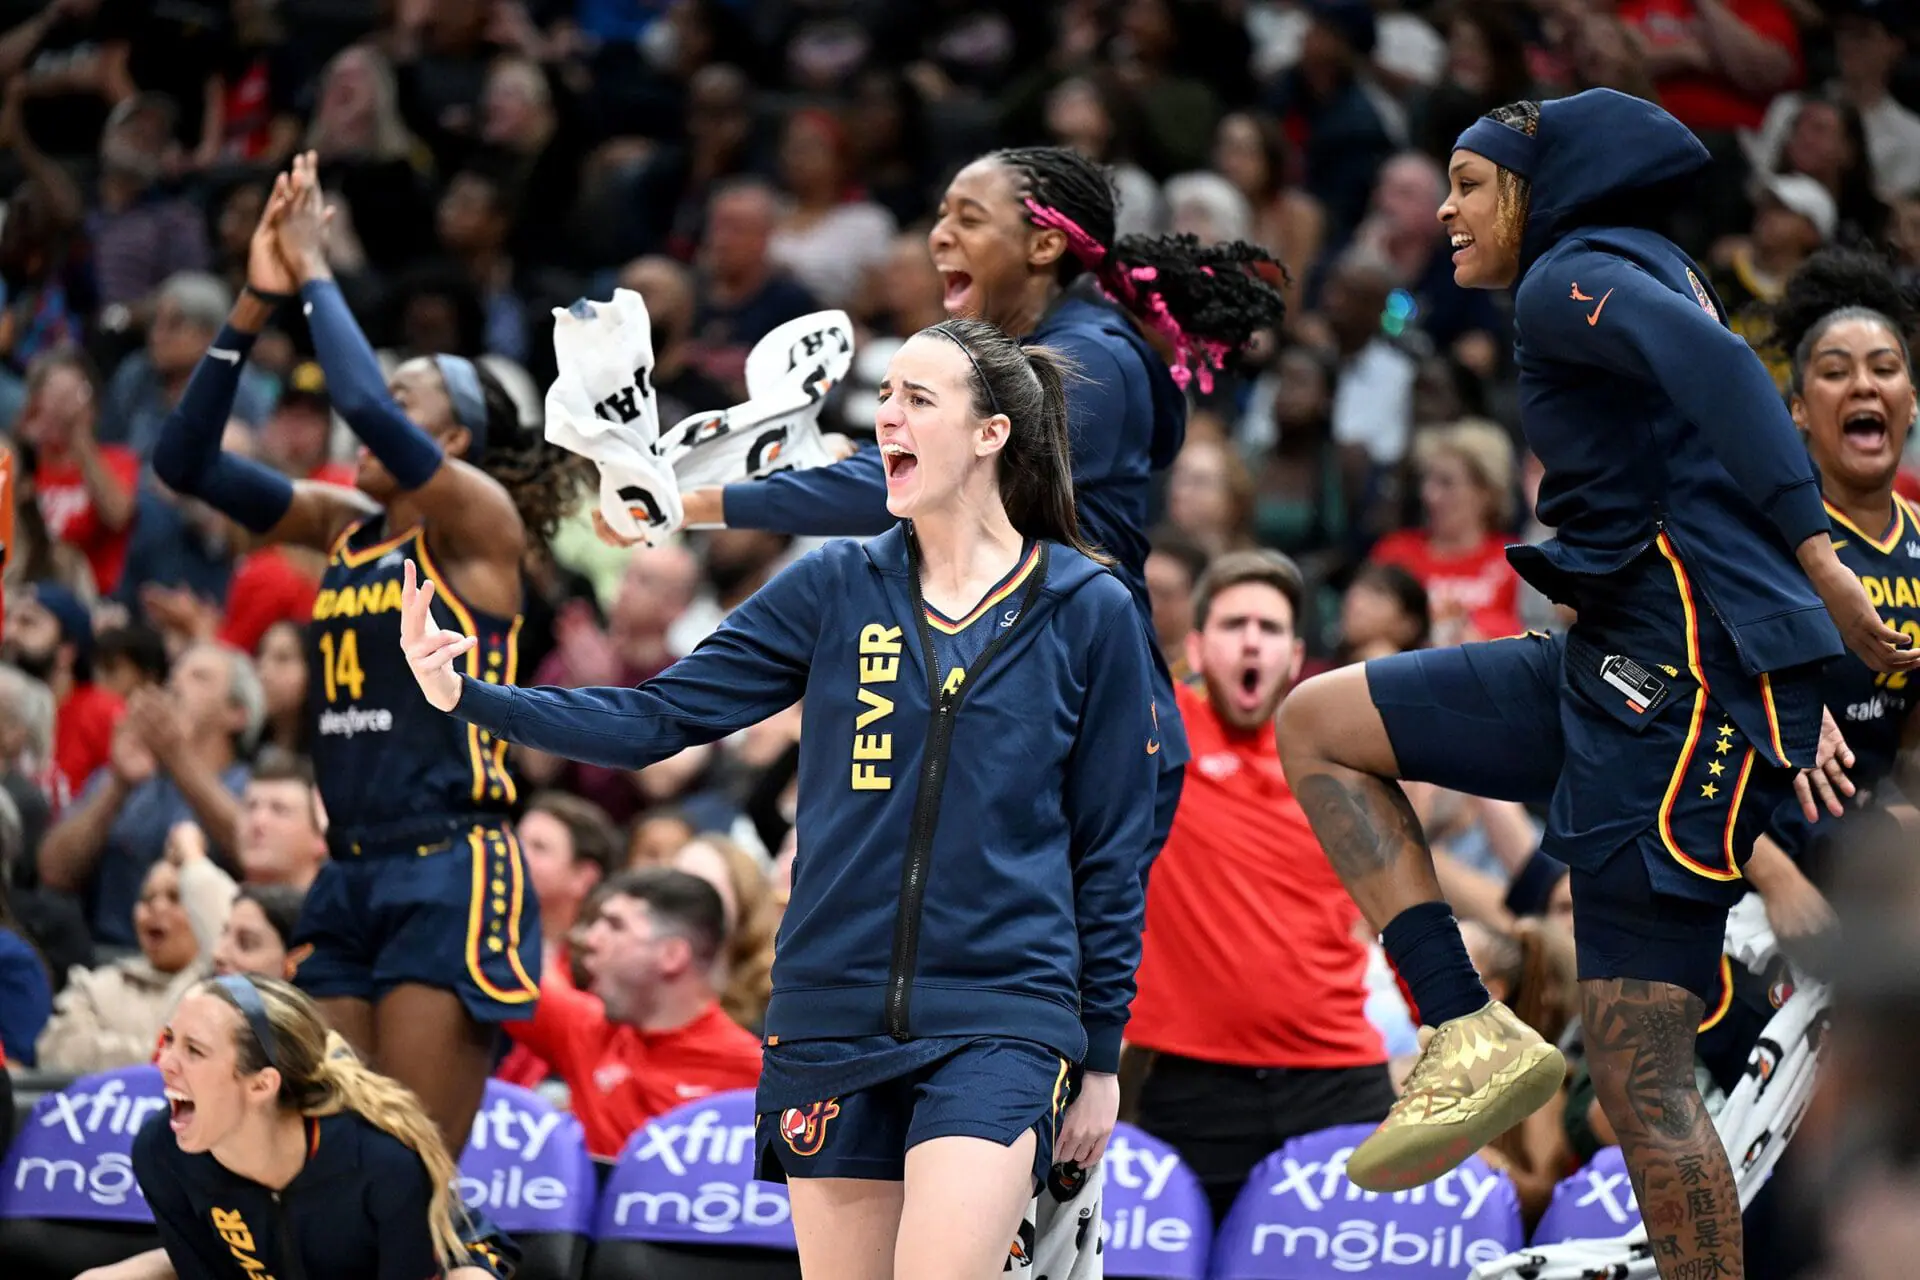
{"x":1598,"y":158}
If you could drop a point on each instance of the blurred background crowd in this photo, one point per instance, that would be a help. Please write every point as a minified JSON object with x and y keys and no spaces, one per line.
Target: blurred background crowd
{"x":740,"y":164}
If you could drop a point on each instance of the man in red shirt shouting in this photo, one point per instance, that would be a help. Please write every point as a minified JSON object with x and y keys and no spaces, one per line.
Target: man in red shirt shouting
{"x":1251,"y":1013}
{"x":652,"y":1035}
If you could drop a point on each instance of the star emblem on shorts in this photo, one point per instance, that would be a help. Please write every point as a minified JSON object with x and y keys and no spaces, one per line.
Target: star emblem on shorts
{"x":1709,"y":791}
{"x":1715,"y":768}
{"x":1726,"y":731}
{"x":1723,"y":746}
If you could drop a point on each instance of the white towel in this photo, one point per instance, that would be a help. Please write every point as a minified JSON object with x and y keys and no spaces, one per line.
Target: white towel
{"x":602,"y":406}
{"x":789,"y":373}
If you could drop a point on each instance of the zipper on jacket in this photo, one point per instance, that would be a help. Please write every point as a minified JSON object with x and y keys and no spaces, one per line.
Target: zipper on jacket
{"x":926,"y":800}
{"x":291,"y":1267}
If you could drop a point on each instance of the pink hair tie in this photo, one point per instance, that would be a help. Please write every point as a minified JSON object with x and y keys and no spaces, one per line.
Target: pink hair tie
{"x":1089,"y":251}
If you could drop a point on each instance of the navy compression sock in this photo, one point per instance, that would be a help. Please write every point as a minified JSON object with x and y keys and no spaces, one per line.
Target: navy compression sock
{"x":1424,"y":944}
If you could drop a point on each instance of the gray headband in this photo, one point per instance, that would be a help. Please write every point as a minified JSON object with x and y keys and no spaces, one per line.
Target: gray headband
{"x":469,"y":402}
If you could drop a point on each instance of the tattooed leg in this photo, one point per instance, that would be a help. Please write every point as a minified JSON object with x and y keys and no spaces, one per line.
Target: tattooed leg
{"x":1640,"y":1050}
{"x":1340,"y":765}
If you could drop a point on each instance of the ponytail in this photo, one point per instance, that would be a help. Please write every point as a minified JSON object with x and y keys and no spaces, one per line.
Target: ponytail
{"x":1028,"y":386}
{"x":1208,"y":301}
{"x":320,"y":1075}
{"x":392,"y":1108}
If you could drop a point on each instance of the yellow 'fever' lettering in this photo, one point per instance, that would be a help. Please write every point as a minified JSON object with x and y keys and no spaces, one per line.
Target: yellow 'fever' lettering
{"x":239,"y":1241}
{"x":879,"y":664}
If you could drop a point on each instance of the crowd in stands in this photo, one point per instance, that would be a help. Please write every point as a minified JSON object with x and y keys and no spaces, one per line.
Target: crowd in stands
{"x":740,"y":163}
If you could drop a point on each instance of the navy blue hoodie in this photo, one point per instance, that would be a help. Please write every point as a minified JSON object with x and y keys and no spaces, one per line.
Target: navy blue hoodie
{"x":1126,"y":419}
{"x":1648,"y":413}
{"x":969,"y":858}
{"x":358,"y":1207}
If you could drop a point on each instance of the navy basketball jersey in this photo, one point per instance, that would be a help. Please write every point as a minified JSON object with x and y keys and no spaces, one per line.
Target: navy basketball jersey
{"x":1870,"y":707}
{"x":959,"y":642}
{"x":390,"y":766}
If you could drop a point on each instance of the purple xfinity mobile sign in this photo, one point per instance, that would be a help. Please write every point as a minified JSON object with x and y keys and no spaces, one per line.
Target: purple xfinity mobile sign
{"x":687,"y":1177}
{"x":1154,"y":1217}
{"x":1594,"y":1204}
{"x":526,"y":1164}
{"x":74,"y":1156}
{"x":1300,"y":1219}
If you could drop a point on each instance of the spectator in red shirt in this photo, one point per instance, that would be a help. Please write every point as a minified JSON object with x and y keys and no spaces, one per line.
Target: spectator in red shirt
{"x":1234,"y":1067}
{"x":50,"y":637}
{"x":652,"y":1034}
{"x":86,"y":490}
{"x":1716,"y":63}
{"x":570,"y":846}
{"x":1460,"y":554}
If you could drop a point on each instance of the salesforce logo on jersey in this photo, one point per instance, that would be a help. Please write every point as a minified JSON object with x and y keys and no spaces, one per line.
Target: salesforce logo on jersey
{"x":526,"y":1164}
{"x":1300,"y":1219}
{"x":1154,"y":1219}
{"x":687,"y":1176}
{"x":74,"y":1156}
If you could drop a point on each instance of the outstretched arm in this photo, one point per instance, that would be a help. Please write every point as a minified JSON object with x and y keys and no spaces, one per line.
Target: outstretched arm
{"x":846,"y":499}
{"x":754,"y":665}
{"x":472,"y":514}
{"x":188,"y":457}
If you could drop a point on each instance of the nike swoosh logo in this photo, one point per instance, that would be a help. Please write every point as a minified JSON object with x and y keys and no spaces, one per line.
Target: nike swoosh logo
{"x":221,"y":353}
{"x":1153,"y":748}
{"x":1595,"y":317}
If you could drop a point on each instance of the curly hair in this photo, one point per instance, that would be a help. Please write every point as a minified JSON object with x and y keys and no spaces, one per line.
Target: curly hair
{"x":1208,"y":300}
{"x":544,"y":480}
{"x":1839,"y":284}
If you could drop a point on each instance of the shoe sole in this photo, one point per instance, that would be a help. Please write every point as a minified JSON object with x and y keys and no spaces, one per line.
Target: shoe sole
{"x":1402,"y":1157}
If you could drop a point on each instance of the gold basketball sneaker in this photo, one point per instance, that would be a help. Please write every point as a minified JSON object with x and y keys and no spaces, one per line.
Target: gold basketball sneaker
{"x":1477,"y":1077}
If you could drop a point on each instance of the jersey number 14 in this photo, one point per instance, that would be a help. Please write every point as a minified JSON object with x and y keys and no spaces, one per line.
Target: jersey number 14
{"x":340,"y":664}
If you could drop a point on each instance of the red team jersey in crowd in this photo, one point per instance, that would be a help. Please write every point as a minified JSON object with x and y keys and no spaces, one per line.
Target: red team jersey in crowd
{"x":621,"y":1077}
{"x":1480,"y":584}
{"x":68,"y":509}
{"x":1250,"y":956}
{"x":1709,"y":103}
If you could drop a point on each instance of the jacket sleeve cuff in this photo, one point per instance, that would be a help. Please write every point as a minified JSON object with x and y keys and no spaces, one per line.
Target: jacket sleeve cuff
{"x":488,"y":705}
{"x":1799,"y":512}
{"x":744,"y":505}
{"x":1103,"y":1047}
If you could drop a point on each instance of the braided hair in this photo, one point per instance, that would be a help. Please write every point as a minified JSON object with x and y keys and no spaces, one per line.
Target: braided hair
{"x":544,"y":480}
{"x":1515,"y":192}
{"x":1835,"y":285}
{"x":1208,"y":300}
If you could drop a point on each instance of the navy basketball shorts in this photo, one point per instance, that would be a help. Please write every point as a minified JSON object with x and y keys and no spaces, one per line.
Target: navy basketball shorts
{"x":458,"y":914}
{"x":1653,"y":807}
{"x":993,"y":1088}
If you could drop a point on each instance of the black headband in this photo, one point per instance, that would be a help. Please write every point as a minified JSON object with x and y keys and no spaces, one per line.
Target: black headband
{"x":254,"y":1009}
{"x":954,"y":338}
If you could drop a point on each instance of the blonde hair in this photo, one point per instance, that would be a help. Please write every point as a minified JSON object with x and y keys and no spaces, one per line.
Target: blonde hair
{"x":1487,"y":450}
{"x":392,"y":140}
{"x":747,"y":956}
{"x":321,"y":1075}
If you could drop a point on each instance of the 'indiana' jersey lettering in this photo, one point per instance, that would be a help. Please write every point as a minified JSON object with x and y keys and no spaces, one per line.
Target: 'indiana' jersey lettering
{"x":388,"y":763}
{"x":1870,"y":707}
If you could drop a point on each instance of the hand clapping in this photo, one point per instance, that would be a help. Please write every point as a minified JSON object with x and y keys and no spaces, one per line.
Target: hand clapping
{"x":430,"y":648}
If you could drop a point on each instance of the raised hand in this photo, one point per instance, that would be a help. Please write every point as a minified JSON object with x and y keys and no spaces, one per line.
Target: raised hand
{"x":267,"y":271}
{"x":430,"y":648}
{"x":303,"y":224}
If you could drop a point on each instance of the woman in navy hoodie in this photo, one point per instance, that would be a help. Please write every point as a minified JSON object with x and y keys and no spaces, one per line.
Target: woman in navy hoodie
{"x":1026,"y":241}
{"x":281,"y":1155}
{"x":976,"y":787}
{"x":1662,"y":729}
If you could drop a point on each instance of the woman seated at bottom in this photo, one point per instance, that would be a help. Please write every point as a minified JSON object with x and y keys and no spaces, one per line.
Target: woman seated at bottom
{"x":282,"y":1154}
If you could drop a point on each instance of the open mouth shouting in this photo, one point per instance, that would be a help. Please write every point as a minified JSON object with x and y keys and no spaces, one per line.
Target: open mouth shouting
{"x":956,"y":290}
{"x":182,"y":1111}
{"x":1865,"y":430}
{"x":900,"y":462}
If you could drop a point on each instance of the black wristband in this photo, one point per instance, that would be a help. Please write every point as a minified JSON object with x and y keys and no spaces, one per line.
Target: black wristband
{"x":271,"y":299}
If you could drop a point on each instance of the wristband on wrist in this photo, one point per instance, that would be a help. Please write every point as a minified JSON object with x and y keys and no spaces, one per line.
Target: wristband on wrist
{"x":271,"y":299}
